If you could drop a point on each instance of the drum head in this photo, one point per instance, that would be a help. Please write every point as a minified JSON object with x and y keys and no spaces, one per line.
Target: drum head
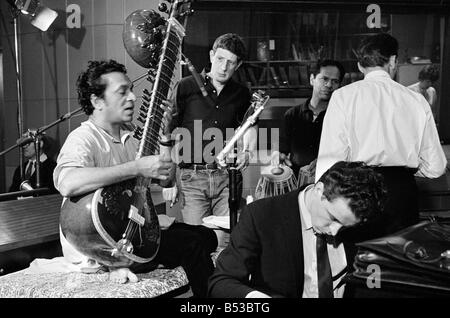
{"x":270,"y":173}
{"x":275,"y":180}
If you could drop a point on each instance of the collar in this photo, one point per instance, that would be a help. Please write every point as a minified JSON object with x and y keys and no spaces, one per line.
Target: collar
{"x":204,"y":74}
{"x":304,"y":212}
{"x":306,"y":107}
{"x":305,"y":215}
{"x":124,"y":131}
{"x":42,"y":158}
{"x":377,"y":74}
{"x":207,"y":79}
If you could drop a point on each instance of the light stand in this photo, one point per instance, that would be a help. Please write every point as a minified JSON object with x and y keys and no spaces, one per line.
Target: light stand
{"x":19,"y":85}
{"x":41,"y":17}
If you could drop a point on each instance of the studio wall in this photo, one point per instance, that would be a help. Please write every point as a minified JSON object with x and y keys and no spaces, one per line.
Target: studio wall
{"x":52,"y":60}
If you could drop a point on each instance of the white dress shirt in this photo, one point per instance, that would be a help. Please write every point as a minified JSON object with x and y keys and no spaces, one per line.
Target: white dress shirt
{"x":336,"y":255}
{"x":383,"y":123}
{"x":32,"y":162}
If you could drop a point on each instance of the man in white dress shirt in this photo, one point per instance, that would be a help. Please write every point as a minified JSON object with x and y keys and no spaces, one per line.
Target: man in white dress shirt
{"x":386,"y":125}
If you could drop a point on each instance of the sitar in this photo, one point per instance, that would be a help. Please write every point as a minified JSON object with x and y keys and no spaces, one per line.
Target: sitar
{"x":117,"y":225}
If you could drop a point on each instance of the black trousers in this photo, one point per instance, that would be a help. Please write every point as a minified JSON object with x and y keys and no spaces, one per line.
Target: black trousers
{"x":401,"y":209}
{"x":188,"y":246}
{"x":402,"y":206}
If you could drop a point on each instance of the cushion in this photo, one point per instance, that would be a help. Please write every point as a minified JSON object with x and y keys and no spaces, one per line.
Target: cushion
{"x":24,"y":284}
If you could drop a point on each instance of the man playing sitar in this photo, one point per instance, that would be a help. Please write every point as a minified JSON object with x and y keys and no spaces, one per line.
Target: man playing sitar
{"x":102,"y":152}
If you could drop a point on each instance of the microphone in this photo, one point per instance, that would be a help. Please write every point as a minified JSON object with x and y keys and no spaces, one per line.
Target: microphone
{"x":23,"y":141}
{"x":196,"y":77}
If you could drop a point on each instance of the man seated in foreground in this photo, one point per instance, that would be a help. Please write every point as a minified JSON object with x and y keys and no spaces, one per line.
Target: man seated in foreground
{"x":279,"y":248}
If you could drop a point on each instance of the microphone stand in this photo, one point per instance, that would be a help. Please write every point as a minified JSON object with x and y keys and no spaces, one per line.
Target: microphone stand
{"x":35,"y":136}
{"x":234,"y":195}
{"x":37,"y":150}
{"x":259,"y":100}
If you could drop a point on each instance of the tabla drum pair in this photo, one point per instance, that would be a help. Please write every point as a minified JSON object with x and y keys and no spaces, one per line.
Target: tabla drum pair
{"x":275,"y":180}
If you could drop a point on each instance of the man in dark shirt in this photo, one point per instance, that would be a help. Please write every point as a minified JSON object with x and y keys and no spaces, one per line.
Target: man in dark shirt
{"x":208,"y":122}
{"x":47,"y":165}
{"x":303,"y":123}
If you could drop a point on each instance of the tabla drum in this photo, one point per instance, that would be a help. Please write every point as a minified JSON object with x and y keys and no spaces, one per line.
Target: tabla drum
{"x":307,"y":174}
{"x":275,"y":180}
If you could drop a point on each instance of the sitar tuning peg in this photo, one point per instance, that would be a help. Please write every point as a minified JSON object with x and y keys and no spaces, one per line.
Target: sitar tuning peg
{"x":162,"y":7}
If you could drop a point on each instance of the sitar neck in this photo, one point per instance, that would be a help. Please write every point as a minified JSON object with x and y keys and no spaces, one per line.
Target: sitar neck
{"x":162,"y":86}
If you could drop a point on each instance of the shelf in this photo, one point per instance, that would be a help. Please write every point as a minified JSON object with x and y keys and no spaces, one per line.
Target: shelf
{"x":306,"y":62}
{"x":285,"y":92}
{"x":290,"y":77}
{"x":278,"y":87}
{"x":356,"y":34}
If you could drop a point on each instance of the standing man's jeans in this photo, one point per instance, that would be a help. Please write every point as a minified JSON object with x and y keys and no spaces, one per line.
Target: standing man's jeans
{"x":203,"y":193}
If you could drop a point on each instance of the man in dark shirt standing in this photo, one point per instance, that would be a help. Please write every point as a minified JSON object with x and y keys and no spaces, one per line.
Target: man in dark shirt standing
{"x":303,"y":123}
{"x":208,"y":121}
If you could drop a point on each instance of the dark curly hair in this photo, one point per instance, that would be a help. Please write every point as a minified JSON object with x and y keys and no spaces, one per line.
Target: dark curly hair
{"x":429,"y":72}
{"x":231,"y":42}
{"x":315,"y":69}
{"x":90,"y":82}
{"x":375,"y":50}
{"x":358,"y":182}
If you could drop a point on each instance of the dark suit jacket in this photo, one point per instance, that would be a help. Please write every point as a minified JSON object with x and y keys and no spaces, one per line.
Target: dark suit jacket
{"x":265,"y":251}
{"x":46,"y":172}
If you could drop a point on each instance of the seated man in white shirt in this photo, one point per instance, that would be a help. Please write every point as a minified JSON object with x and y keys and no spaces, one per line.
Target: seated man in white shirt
{"x":388,"y":126}
{"x":277,"y":250}
{"x":102,"y":152}
{"x":427,"y":77}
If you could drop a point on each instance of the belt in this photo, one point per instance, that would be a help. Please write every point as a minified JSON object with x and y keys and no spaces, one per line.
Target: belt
{"x":193,"y":166}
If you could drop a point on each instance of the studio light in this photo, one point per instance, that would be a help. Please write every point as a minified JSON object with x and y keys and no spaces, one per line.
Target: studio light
{"x":41,"y":17}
